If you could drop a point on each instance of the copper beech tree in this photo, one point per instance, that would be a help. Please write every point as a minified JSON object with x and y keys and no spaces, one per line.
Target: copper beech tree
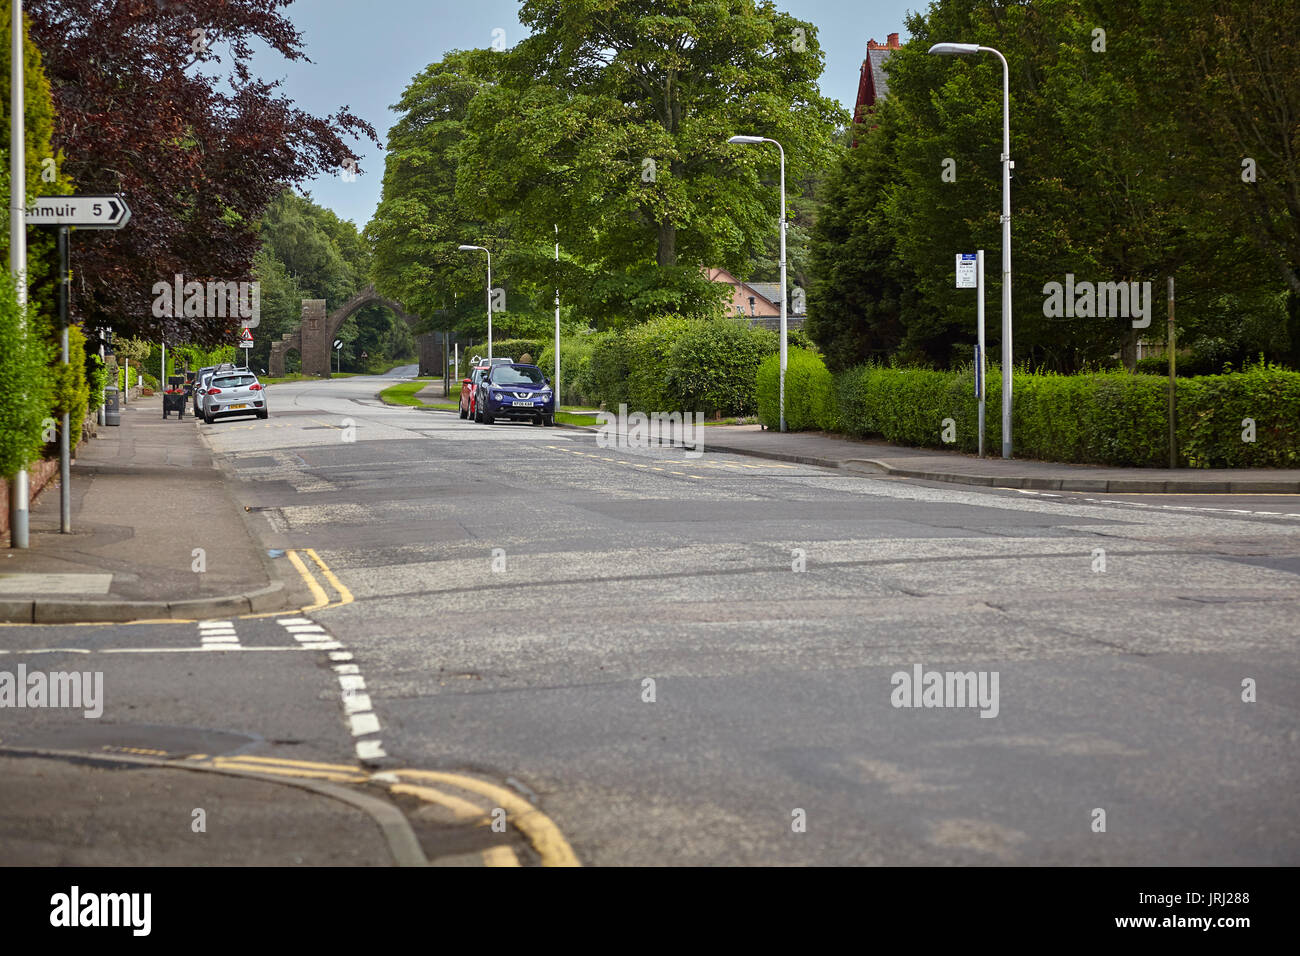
{"x":155,"y":99}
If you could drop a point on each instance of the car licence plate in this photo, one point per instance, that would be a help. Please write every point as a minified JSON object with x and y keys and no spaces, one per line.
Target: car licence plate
{"x":526,"y":404}
{"x":238,"y":406}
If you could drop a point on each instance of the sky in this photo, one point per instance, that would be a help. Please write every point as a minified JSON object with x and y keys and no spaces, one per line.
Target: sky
{"x":365,"y":53}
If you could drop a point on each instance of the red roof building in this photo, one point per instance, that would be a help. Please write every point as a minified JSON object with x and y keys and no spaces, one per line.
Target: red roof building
{"x":873,"y":85}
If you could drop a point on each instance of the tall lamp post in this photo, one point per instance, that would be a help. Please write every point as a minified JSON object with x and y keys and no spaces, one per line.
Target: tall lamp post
{"x":18,"y":487}
{"x":764,"y":139}
{"x":966,"y":49}
{"x":489,"y":291}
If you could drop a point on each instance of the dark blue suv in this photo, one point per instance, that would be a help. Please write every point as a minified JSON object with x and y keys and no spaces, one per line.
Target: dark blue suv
{"x":521,"y":392}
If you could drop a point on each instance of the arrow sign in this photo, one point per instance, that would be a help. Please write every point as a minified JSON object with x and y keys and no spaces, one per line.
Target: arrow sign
{"x":85,"y":212}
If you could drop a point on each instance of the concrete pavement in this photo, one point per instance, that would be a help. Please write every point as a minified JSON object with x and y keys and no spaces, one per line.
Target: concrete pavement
{"x":930,"y":464}
{"x":155,"y":534}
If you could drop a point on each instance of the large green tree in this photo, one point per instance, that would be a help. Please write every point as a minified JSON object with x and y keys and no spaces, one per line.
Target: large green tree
{"x":611,"y":121}
{"x":1116,"y":178}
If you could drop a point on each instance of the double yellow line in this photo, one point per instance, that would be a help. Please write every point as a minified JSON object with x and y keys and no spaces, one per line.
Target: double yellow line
{"x":537,"y":828}
{"x":322,"y":599}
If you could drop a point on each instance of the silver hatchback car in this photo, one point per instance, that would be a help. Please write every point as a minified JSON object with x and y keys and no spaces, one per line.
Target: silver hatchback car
{"x":236,"y":392}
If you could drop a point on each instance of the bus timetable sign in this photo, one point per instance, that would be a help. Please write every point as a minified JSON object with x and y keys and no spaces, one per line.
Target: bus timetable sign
{"x":84,"y":212}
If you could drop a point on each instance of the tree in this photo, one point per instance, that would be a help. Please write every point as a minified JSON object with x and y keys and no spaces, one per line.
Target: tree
{"x":611,"y":121}
{"x":198,"y":156}
{"x":861,"y":288}
{"x":1114,"y":180}
{"x":419,"y":223}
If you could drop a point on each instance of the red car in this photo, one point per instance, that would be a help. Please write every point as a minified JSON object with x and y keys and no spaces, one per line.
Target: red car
{"x":467,"y":386}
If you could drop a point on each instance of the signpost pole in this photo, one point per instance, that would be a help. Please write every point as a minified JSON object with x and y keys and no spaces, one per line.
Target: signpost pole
{"x":1173,"y":383}
{"x":65,"y":447}
{"x":979,"y":349}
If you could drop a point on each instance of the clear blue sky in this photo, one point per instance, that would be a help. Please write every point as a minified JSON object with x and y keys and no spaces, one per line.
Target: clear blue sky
{"x":365,"y":53}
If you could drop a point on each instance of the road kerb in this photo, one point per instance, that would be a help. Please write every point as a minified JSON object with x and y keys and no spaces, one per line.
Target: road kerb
{"x":540,"y":831}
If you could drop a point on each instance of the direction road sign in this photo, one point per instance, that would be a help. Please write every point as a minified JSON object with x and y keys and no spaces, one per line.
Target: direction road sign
{"x":85,"y":212}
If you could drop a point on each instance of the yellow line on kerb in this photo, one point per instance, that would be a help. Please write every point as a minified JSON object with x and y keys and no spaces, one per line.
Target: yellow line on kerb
{"x":536,"y":826}
{"x":345,"y":596}
{"x":318,"y":592}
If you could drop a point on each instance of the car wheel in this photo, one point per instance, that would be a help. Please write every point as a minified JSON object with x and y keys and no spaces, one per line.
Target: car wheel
{"x":489,"y":419}
{"x":263,"y":414}
{"x":208,"y":419}
{"x":548,"y":420}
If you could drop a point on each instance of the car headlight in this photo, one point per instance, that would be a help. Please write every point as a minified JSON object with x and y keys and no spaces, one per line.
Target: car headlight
{"x":496,"y":396}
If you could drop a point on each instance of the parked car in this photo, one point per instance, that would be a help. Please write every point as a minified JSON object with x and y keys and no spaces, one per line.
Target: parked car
{"x":520,"y":392}
{"x":467,"y":387}
{"x":236,"y":392}
{"x":201,"y":383}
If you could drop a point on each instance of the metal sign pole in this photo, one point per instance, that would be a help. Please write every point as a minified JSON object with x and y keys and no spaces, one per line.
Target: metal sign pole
{"x":65,"y":446}
{"x":979,"y":349}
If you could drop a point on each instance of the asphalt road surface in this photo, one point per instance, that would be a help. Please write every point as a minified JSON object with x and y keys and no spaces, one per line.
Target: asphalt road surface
{"x":692,"y":661}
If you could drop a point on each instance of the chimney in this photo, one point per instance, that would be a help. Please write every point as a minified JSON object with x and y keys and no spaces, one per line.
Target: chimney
{"x":893,"y":42}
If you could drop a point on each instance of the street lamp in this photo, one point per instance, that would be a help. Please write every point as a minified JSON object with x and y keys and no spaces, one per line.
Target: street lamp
{"x":763,"y":139}
{"x":965,"y":49}
{"x":489,"y":291}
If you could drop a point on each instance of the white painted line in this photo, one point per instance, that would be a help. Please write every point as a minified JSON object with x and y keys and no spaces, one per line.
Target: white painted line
{"x":352,"y":682}
{"x":341,"y":656}
{"x":304,"y":629}
{"x":346,"y":668}
{"x":292,"y":620}
{"x":363,"y":724}
{"x":370,"y":750}
{"x":324,"y":646}
{"x":356,"y":703}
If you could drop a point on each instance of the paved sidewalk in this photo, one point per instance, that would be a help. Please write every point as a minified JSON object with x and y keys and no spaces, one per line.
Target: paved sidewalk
{"x":145,"y":495}
{"x":75,"y":812}
{"x":872,"y":457}
{"x":879,"y":457}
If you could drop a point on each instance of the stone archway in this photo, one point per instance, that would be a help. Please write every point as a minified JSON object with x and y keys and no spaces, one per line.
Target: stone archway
{"x":314,"y":336}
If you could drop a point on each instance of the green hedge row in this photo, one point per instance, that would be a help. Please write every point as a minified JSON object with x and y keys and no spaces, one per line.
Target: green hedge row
{"x":809,"y":392}
{"x":511,"y":348}
{"x":1239,"y":420}
{"x":668,"y":363}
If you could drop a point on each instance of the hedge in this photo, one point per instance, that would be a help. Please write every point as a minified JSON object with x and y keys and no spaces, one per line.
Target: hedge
{"x":510,"y":348}
{"x":71,"y":390}
{"x":1108,"y":418}
{"x":809,"y":392}
{"x":577,"y":386}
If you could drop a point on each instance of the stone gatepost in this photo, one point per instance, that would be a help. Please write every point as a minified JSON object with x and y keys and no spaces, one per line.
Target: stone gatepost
{"x":315,"y":338}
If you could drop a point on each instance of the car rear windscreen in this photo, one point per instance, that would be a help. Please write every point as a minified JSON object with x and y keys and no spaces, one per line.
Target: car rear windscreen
{"x":233,"y":381}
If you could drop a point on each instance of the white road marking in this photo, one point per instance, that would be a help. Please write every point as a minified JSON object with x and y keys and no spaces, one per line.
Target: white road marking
{"x":357,"y":706}
{"x":363,"y":724}
{"x":218,"y":636}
